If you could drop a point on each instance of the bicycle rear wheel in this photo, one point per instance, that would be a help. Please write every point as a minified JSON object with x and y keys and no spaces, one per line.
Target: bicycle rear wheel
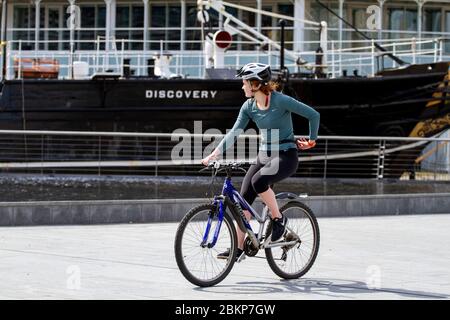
{"x":199,"y":264}
{"x":293,"y":261}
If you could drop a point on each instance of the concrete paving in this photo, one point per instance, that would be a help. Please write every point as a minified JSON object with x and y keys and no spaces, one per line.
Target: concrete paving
{"x":383,"y":257}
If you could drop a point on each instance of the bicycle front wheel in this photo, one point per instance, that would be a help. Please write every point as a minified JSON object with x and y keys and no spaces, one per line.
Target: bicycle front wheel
{"x":199,"y":264}
{"x":293,"y":261}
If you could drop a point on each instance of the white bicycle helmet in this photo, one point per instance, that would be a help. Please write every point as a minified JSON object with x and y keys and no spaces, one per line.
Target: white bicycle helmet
{"x":255,"y":71}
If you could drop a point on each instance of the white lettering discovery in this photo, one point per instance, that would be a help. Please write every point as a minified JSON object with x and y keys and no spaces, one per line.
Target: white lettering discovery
{"x":180,"y":94}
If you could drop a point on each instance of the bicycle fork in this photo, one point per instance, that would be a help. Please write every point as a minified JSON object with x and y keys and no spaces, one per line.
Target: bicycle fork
{"x":212,"y":213}
{"x":220,"y":204}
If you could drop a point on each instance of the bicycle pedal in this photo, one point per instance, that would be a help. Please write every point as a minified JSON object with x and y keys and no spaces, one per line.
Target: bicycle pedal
{"x":241,"y":258}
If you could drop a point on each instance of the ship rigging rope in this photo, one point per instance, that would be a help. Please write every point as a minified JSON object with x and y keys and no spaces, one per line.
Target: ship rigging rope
{"x":275,"y":15}
{"x":378,"y":46}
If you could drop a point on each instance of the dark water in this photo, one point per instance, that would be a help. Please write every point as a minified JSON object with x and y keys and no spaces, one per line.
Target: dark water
{"x":56,"y":188}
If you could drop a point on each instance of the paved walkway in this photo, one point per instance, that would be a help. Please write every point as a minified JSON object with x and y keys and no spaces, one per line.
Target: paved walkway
{"x":389,"y":257}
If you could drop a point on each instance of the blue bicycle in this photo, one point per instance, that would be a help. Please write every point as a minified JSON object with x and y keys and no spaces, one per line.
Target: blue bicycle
{"x":208,"y":230}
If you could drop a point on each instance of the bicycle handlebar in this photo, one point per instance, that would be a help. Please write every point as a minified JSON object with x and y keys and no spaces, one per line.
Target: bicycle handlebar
{"x":223,"y":166}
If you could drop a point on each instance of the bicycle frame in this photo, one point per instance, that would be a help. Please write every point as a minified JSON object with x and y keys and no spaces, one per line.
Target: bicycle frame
{"x":230,"y":197}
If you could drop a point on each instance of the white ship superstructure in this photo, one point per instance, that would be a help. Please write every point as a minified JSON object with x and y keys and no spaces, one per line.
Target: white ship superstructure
{"x":86,"y":30}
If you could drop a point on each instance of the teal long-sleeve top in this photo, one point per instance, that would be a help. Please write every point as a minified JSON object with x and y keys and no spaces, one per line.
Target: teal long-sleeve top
{"x":277,"y":116}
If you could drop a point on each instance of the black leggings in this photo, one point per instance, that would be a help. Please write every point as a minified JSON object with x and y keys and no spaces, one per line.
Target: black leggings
{"x":268,"y":170}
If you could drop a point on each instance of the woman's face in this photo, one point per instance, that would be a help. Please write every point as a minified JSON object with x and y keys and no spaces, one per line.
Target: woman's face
{"x":247,"y":87}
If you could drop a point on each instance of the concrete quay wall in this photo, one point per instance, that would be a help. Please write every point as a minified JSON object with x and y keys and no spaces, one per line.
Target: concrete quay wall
{"x":172,"y":210}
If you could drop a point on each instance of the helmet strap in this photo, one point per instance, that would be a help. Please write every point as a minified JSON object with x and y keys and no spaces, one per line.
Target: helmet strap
{"x":257,"y":89}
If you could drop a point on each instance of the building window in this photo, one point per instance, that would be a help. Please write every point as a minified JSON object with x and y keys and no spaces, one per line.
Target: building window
{"x":267,"y":23}
{"x":447,"y":29}
{"x":86,"y":36}
{"x":287,"y":10}
{"x":54,"y":21}
{"x":123,"y":24}
{"x":359,"y":19}
{"x":431,"y":20}
{"x":130,"y":25}
{"x":166,"y":27}
{"x":319,"y":13}
{"x":137,"y":23}
{"x":403,"y":20}
{"x":93,"y":26}
{"x":174,"y":22}
{"x":158,"y":23}
{"x":51,"y":22}
{"x":193,"y":29}
{"x":249,"y":18}
{"x":23,"y":27}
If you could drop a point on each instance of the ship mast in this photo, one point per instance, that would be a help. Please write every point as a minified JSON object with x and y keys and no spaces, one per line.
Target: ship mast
{"x":258,"y":37}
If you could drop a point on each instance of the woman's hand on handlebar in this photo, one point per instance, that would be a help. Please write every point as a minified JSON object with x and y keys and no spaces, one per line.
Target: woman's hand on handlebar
{"x":304,"y":144}
{"x":213,"y":156}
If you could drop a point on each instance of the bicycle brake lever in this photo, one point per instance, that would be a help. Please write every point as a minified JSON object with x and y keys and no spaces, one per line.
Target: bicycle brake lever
{"x":243,"y":170}
{"x":220,"y":170}
{"x":205,"y":168}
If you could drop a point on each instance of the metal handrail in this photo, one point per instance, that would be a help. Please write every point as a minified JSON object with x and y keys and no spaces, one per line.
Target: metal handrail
{"x":376,"y":157}
{"x":207,"y":135}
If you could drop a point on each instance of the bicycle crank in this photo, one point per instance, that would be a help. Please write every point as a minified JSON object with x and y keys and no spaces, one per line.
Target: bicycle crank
{"x":249,"y":248}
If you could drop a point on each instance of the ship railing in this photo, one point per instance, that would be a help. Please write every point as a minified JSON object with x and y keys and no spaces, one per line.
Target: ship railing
{"x":190,"y":63}
{"x":179,"y":153}
{"x":101,"y":59}
{"x":28,"y":34}
{"x":408,"y":48}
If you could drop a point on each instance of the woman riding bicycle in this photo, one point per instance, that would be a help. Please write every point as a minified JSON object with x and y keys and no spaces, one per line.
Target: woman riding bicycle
{"x":276,"y":160}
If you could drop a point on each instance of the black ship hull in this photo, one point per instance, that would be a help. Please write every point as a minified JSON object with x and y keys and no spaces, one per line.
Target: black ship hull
{"x":389,"y":104}
{"x":407,"y":102}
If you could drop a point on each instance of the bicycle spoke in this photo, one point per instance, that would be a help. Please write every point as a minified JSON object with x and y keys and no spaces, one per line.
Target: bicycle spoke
{"x":299,"y":256}
{"x":202,"y":262}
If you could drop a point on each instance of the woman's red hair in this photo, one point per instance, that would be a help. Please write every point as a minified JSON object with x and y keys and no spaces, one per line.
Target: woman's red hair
{"x":266,"y":89}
